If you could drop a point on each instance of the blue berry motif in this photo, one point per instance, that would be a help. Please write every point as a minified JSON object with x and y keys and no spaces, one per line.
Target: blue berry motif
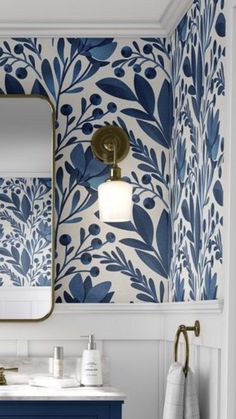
{"x":149,"y":203}
{"x":126,"y":52}
{"x":87,"y":128}
{"x":21,"y":73}
{"x":94,"y":229}
{"x":119,"y":72}
{"x":147,"y":49}
{"x":66,"y":109}
{"x":112,"y":107}
{"x":95,"y":99}
{"x":65,"y":239}
{"x":150,"y":73}
{"x":18,"y":49}
{"x":96,"y":243}
{"x":86,"y":258}
{"x":137,"y":68}
{"x":97,"y":113}
{"x":8,"y":68}
{"x":110,"y":237}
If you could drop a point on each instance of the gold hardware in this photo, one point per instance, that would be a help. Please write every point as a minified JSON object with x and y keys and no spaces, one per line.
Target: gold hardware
{"x":115,"y":173}
{"x":3,"y":380}
{"x":185,"y":329}
{"x":53,"y":172}
{"x":110,"y":144}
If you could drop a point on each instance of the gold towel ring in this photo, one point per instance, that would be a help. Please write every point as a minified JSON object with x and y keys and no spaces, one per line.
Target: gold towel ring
{"x":185,"y":329}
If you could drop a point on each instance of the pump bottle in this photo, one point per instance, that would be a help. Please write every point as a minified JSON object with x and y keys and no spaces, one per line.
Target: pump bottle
{"x":91,"y":368}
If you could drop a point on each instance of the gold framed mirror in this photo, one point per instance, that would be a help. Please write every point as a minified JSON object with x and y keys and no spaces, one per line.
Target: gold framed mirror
{"x":27,"y":184}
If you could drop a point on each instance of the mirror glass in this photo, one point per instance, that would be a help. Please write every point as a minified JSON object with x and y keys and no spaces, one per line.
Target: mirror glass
{"x":26,"y":202}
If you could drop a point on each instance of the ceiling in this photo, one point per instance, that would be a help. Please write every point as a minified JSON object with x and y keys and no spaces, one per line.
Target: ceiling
{"x":92,"y":17}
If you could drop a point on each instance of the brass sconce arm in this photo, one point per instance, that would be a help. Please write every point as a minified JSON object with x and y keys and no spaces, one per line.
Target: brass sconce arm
{"x":111,"y":146}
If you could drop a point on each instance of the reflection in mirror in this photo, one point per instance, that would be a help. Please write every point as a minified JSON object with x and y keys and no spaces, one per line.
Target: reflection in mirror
{"x":26,"y":234}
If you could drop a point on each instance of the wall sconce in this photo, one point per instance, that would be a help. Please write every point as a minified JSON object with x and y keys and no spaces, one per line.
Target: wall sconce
{"x":110,"y":144}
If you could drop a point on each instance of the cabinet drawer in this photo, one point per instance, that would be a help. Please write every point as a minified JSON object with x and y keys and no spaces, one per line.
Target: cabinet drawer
{"x":60,"y":409}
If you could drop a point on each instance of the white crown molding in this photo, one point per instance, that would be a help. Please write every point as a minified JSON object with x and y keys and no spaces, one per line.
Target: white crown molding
{"x":134,"y":28}
{"x":174,"y":14}
{"x":29,"y":26}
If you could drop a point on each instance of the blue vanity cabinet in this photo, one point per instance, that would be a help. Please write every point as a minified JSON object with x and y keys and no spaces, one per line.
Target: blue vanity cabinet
{"x":60,"y":409}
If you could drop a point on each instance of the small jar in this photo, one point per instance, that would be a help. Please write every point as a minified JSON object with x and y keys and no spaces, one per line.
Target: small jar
{"x":58,"y":362}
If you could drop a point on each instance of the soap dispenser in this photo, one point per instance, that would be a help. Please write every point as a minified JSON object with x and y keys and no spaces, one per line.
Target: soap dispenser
{"x":91,"y":368}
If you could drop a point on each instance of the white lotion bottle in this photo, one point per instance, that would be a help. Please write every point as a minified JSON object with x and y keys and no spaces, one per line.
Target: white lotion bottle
{"x":91,"y":367}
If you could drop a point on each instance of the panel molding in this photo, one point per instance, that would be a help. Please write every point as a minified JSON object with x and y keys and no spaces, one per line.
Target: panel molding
{"x":122,"y":322}
{"x":138,"y":331}
{"x":201,"y":307}
{"x":29,"y":26}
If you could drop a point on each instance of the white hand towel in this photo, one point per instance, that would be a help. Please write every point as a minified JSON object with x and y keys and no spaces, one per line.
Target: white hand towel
{"x":191,"y":407}
{"x":174,"y":400}
{"x":181,"y":400}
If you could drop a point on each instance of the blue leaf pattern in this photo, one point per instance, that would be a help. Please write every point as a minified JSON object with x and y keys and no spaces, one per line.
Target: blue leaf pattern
{"x":165,"y":94}
{"x":143,"y":224}
{"x":13,"y":86}
{"x":144,"y":93}
{"x":48,"y":76}
{"x":197,"y":148}
{"x":116,"y":88}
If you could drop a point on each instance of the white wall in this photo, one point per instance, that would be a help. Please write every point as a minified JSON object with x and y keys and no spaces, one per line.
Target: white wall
{"x":138,"y":342}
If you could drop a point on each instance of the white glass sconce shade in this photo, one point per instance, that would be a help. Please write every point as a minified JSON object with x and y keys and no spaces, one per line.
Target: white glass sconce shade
{"x":115,"y":201}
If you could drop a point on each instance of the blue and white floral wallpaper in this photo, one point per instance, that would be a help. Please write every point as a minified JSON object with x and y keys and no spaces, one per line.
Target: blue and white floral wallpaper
{"x":196,"y":153}
{"x":25,"y":232}
{"x":93,"y":82}
{"x":172,"y":248}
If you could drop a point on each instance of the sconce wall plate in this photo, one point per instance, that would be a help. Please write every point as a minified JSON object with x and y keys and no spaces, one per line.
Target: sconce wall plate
{"x":103,"y":141}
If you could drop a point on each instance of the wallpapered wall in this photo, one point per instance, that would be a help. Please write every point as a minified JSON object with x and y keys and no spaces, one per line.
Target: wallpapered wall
{"x":128,"y":82}
{"x":93,"y":82}
{"x":196,"y":193}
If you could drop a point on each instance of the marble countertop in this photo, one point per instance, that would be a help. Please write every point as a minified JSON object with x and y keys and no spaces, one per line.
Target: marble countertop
{"x":26,"y":392}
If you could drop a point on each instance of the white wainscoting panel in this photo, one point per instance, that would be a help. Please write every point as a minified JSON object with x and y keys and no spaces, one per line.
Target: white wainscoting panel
{"x":25,"y":303}
{"x":137,"y":343}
